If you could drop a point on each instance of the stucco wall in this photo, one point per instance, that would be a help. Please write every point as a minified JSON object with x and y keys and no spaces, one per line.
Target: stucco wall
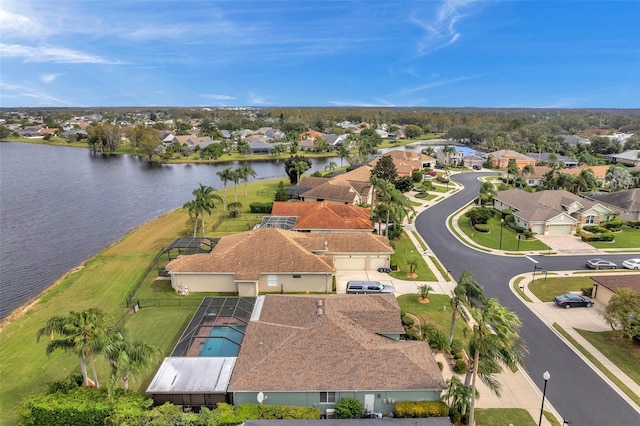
{"x":203,"y":282}
{"x":603,"y":294}
{"x":315,"y":283}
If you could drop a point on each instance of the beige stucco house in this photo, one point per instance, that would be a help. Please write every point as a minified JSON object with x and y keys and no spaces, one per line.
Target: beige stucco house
{"x":551,"y":212}
{"x":270,"y":260}
{"x":604,"y":287}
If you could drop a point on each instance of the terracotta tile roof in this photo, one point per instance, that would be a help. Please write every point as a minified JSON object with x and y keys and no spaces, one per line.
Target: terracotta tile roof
{"x":334,"y":190}
{"x":406,"y":162}
{"x":314,"y":134}
{"x":271,"y":250}
{"x":250,"y":254}
{"x":325,"y":215}
{"x":598,"y":171}
{"x":291,"y":348}
{"x":360,"y":174}
{"x":616,"y":282}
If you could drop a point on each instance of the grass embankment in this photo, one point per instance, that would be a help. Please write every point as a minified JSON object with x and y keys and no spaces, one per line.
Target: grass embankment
{"x":547,"y":289}
{"x":623,"y":353}
{"x":504,"y":416}
{"x":598,"y":364}
{"x":57,"y":141}
{"x":628,"y":237}
{"x":492,"y":238}
{"x":104,"y":282}
{"x":404,"y":252}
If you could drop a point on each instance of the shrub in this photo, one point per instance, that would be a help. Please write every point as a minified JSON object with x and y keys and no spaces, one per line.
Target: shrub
{"x":479,"y":215}
{"x":634,"y":223}
{"x":481,"y":228}
{"x":588,"y":237}
{"x":417,"y":176}
{"x":437,"y":338}
{"x":411,"y":334}
{"x":594,"y":228}
{"x":349,"y":408}
{"x":418,"y":409}
{"x":260,"y":207}
{"x":587,"y":291}
{"x":612,"y":225}
{"x":460,"y":366}
{"x":456,"y":346}
{"x":394,"y":231}
{"x":407,"y":321}
{"x":440,"y":365}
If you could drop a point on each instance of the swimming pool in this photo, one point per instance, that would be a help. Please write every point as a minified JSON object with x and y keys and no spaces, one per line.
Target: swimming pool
{"x":223,"y":341}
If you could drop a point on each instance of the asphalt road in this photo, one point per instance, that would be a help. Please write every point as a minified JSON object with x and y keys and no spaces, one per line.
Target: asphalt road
{"x":574,"y":389}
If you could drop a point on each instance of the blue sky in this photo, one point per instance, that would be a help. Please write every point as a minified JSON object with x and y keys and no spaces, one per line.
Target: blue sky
{"x":452,"y":53}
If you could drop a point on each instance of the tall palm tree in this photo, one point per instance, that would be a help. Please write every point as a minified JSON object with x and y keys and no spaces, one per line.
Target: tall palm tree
{"x":299,"y":167}
{"x":586,"y":181}
{"x":127,"y":357}
{"x":343,"y":152}
{"x":225,"y":176}
{"x":457,"y":396}
{"x":246,"y":171}
{"x":618,"y":178}
{"x":205,"y":199}
{"x":82,"y":333}
{"x":527,"y":170}
{"x":496,"y":341}
{"x":194,"y":213}
{"x":465,"y":294}
{"x":236,"y":175}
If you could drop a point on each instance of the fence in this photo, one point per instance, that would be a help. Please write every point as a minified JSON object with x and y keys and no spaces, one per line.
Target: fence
{"x":184,"y":302}
{"x":136,"y":286}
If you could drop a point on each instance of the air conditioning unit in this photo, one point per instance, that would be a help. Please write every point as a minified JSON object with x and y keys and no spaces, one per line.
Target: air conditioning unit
{"x":331,"y":413}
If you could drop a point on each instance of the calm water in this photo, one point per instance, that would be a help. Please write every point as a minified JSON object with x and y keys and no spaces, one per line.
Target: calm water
{"x":60,"y":206}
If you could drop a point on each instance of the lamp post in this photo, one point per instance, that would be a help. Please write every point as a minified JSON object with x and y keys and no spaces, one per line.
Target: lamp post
{"x":501,"y":226}
{"x":546,"y":376}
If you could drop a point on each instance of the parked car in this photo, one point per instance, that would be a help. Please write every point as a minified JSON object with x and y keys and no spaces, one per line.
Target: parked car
{"x":383,"y":269}
{"x":571,"y":300}
{"x":476,"y":167}
{"x":432,"y":173}
{"x":631,"y":263}
{"x":417,"y":189}
{"x":600,"y":264}
{"x":368,"y":287}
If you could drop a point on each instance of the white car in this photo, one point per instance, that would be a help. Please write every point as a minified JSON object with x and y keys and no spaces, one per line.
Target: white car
{"x":631,"y":263}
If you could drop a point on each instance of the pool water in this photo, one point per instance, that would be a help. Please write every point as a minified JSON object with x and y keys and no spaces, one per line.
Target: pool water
{"x":223,"y":341}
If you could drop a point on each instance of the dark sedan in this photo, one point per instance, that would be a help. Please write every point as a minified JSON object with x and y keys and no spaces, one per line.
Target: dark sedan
{"x":571,"y":300}
{"x":600,"y":264}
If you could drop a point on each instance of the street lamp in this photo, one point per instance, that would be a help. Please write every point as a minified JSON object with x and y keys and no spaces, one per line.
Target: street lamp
{"x":546,"y":376}
{"x":501,"y":226}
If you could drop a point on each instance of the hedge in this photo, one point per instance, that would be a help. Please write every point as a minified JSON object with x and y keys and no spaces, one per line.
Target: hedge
{"x":417,"y":409}
{"x":588,"y":237}
{"x":480,"y":227}
{"x":634,"y":223}
{"x":260,"y":207}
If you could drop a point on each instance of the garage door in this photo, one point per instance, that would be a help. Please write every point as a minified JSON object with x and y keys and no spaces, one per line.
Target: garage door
{"x":560,"y":229}
{"x":354,"y":263}
{"x":377,"y":262}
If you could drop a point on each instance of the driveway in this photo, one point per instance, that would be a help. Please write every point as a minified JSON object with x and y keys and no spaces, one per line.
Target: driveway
{"x":567,"y":244}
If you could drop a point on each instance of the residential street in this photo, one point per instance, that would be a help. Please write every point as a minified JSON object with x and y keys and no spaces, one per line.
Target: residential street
{"x":575,"y":390}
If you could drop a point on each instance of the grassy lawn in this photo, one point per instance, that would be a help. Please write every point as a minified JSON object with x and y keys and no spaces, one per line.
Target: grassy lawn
{"x":598,"y":364}
{"x":627,"y":238}
{"x":547,"y":289}
{"x":437,"y":312}
{"x":491,"y":239}
{"x":104,"y":282}
{"x":504,"y":416}
{"x":404,"y":251}
{"x":426,"y":196}
{"x":624,"y":354}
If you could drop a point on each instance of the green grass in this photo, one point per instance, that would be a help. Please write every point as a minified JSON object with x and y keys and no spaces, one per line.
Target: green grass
{"x":103,"y":282}
{"x":419,"y":239}
{"x":598,"y":364}
{"x":623,"y":353}
{"x":404,"y":251}
{"x":551,"y":418}
{"x":437,"y":312}
{"x":491,"y":239}
{"x":443,"y":272}
{"x":516,"y":287}
{"x":547,"y":289}
{"x":426,"y":196}
{"x":627,"y":238}
{"x":504,"y":416}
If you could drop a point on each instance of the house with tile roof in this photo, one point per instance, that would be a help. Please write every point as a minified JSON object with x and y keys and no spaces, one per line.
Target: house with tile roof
{"x":407,"y":162}
{"x":316,"y":350}
{"x":324,"y":216}
{"x":606,"y":286}
{"x":268,"y":260}
{"x":353,"y":187}
{"x":627,"y":203}
{"x":551,"y":212}
{"x":630,"y":157}
{"x":500,"y":159}
{"x":567,"y":163}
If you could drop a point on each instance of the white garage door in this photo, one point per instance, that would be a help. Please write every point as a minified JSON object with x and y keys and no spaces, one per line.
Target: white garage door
{"x":560,"y":229}
{"x":377,"y":262}
{"x":355,"y":263}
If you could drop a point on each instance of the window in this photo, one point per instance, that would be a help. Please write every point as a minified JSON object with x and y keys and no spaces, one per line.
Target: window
{"x":327,"y":397}
{"x":297,"y":276}
{"x":272,"y":280}
{"x":591,"y":220}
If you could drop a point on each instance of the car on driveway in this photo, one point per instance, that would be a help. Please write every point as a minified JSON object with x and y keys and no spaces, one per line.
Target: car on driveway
{"x":383,"y":269}
{"x":368,"y":287}
{"x":571,"y":300}
{"x":631,"y":263}
{"x":600,"y":264}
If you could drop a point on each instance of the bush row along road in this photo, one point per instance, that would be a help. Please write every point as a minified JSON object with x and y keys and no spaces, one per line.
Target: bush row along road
{"x":575,"y":390}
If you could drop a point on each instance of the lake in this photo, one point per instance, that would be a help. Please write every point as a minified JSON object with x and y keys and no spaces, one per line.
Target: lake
{"x":59,"y":206}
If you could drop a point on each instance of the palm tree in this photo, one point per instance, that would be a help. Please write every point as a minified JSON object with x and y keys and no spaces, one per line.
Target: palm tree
{"x":235,"y":177}
{"x":225,"y":176}
{"x":127,"y":357}
{"x":527,"y":170}
{"x":299,"y":167}
{"x":83,"y":333}
{"x":495,"y":341}
{"x":246,"y":171}
{"x":586,"y":181}
{"x":343,"y":152}
{"x":512,"y":169}
{"x":466,"y":293}
{"x":618,"y":178}
{"x":205,"y":201}
{"x":194,"y":212}
{"x":331,"y":166}
{"x":457,"y":396}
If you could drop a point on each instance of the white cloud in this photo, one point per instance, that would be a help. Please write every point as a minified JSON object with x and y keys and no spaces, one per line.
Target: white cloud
{"x":220,"y":97}
{"x":48,"y":78}
{"x":257,"y":100}
{"x":47,"y":53}
{"x":441,"y":31}
{"x":433,"y":84}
